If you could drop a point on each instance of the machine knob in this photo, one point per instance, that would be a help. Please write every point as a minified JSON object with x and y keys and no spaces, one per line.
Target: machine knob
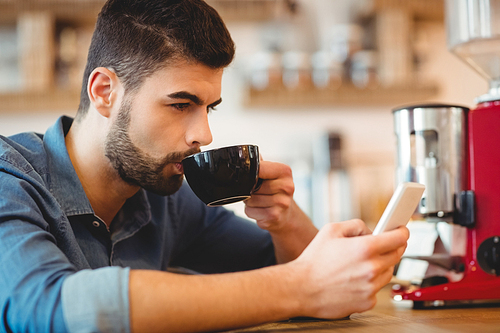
{"x":488,"y":255}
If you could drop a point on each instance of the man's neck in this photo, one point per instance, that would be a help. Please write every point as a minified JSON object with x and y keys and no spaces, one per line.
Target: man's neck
{"x":106,"y":191}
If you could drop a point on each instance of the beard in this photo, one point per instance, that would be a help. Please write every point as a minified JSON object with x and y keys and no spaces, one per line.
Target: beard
{"x":136,"y":167}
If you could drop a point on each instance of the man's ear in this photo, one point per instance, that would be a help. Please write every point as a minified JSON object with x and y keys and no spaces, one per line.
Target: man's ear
{"x":103,"y":90}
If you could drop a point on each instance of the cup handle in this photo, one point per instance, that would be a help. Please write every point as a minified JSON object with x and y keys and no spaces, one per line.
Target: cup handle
{"x":258,"y":185}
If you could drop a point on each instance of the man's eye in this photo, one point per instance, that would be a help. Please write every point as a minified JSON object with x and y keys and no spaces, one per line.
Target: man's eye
{"x":210,"y":109}
{"x":180,"y":106}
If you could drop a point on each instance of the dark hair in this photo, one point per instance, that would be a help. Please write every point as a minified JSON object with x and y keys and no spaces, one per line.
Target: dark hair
{"x":135,"y":38}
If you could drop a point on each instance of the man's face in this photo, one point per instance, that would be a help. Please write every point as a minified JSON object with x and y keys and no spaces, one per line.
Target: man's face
{"x":160,"y":124}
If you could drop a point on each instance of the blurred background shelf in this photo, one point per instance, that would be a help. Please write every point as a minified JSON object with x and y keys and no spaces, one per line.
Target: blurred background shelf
{"x":254,"y":10}
{"x":87,"y":10}
{"x":51,"y":100}
{"x":43,"y":52}
{"x":419,"y":9}
{"x":81,"y":11}
{"x":344,"y":95}
{"x":44,"y":68}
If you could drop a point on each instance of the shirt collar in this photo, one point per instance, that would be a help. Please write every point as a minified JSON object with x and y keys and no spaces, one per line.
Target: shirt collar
{"x":64,"y":182}
{"x":68,"y":190}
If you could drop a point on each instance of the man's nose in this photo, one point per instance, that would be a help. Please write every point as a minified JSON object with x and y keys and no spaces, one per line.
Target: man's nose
{"x":199,"y":133}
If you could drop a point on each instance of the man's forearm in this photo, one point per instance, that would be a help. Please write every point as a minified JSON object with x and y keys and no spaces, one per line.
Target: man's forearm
{"x":339,"y":273}
{"x":166,"y":302}
{"x":293,"y":238}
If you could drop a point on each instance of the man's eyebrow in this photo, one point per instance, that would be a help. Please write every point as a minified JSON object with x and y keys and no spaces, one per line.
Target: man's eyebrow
{"x":214,"y":104}
{"x":193,"y":98}
{"x":185,"y":95}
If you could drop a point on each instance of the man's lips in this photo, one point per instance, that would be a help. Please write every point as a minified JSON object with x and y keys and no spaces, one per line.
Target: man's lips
{"x":177,"y":160}
{"x":178,"y":166}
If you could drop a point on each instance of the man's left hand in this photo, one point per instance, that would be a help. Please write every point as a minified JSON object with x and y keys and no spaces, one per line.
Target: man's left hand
{"x":274,"y":209}
{"x":272,"y":204}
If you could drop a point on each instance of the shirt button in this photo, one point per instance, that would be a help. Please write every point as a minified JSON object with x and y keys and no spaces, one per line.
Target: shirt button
{"x":96,"y":224}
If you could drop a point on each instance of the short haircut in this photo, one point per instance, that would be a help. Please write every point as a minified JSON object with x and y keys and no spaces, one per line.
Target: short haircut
{"x":135,"y":38}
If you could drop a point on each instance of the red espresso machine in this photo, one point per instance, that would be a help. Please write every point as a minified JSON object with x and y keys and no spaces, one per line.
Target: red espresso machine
{"x":455,"y":152}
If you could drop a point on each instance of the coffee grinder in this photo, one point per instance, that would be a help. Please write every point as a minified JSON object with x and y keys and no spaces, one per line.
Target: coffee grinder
{"x":455,"y":152}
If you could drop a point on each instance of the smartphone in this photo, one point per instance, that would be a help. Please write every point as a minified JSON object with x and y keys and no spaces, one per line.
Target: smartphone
{"x":401,"y":207}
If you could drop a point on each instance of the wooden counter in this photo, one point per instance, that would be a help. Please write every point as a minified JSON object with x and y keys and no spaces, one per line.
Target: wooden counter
{"x":388,"y":316}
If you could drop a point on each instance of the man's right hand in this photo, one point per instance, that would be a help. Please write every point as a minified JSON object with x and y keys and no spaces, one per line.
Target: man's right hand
{"x":345,"y":266}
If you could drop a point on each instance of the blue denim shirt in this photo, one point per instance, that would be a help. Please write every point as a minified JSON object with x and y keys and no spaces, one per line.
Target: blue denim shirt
{"x":61,"y":269}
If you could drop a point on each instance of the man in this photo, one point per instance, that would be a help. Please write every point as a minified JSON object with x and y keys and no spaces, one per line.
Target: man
{"x":95,"y":212}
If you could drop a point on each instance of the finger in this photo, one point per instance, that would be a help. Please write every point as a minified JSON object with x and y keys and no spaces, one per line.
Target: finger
{"x":262,"y":214}
{"x":391,"y":258}
{"x":390,"y":240}
{"x":385,"y":277}
{"x":257,"y":214}
{"x":402,"y":249}
{"x":273,"y":170}
{"x":349,"y":228}
{"x":262,"y":200}
{"x":266,"y":187}
{"x":280,"y":202}
{"x":275,"y":186}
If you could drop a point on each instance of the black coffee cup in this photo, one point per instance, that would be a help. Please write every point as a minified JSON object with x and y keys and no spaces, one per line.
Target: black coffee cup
{"x":224,"y":175}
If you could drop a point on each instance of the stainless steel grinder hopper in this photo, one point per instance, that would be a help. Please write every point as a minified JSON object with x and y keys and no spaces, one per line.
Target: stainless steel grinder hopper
{"x":431,"y":150}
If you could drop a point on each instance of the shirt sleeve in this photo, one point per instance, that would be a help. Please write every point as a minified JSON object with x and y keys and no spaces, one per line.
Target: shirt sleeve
{"x":40,"y":289}
{"x":102,"y":304}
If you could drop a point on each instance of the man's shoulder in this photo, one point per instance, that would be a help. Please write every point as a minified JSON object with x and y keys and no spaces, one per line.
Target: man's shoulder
{"x":23,"y":152}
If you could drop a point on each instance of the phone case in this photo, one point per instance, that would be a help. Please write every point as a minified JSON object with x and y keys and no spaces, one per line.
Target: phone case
{"x":401,"y":207}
